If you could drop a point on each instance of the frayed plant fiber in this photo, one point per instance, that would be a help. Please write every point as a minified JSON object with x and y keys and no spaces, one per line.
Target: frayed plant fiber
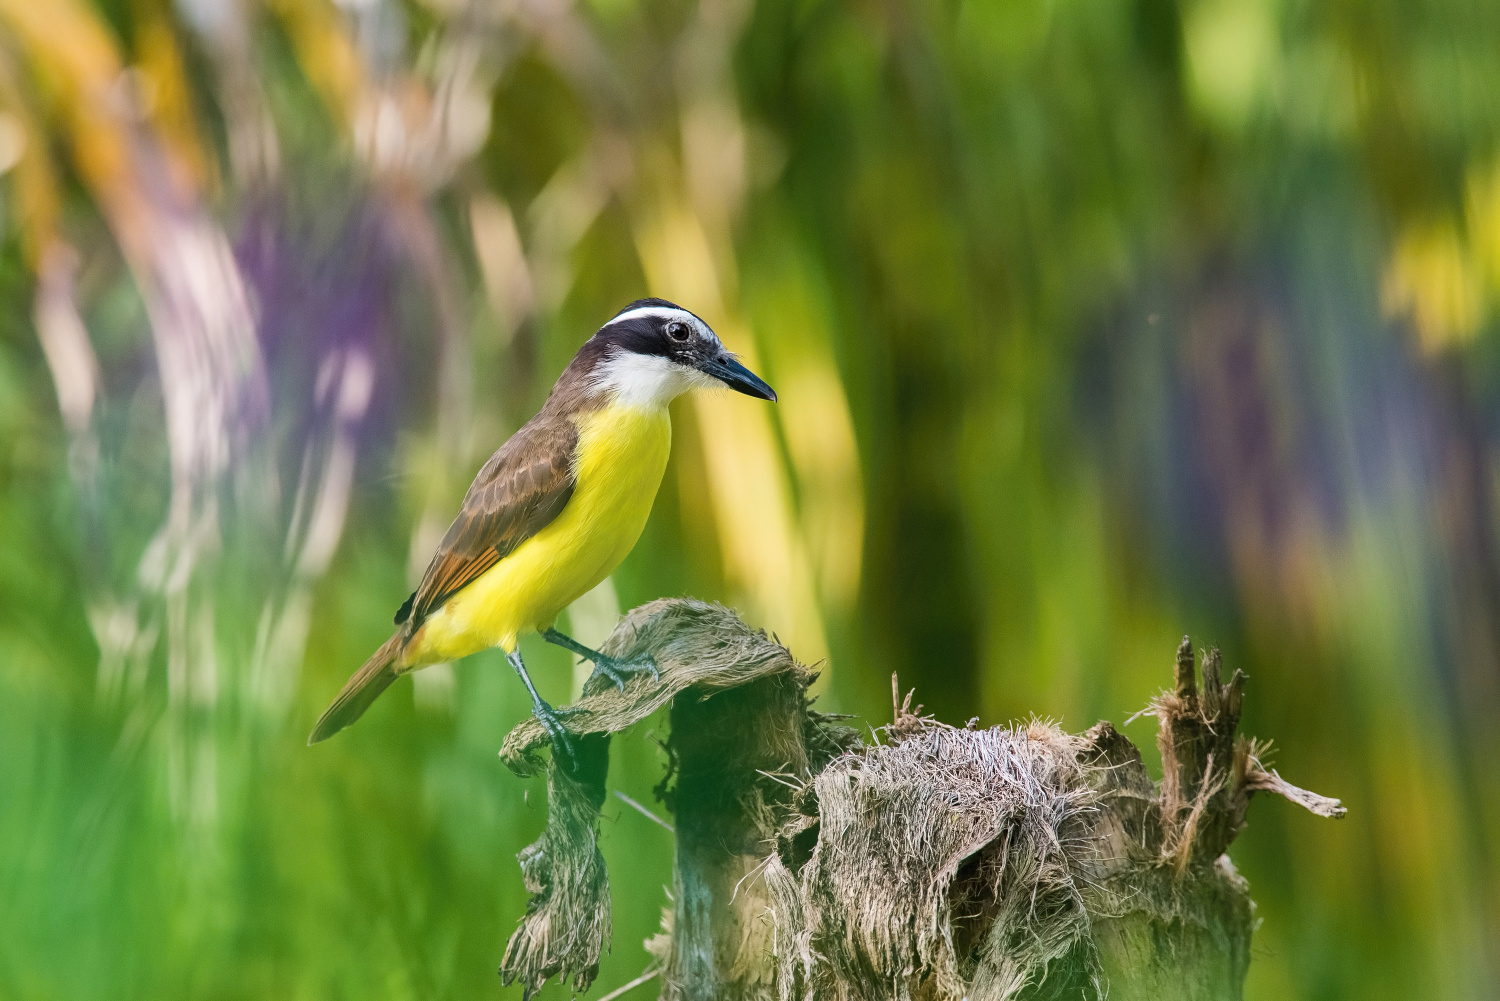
{"x":694,"y":643}
{"x":566,"y":926}
{"x":948,"y":864}
{"x":1010,"y":864}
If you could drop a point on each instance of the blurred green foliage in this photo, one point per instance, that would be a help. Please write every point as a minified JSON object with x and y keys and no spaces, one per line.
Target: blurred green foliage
{"x":1094,"y":324}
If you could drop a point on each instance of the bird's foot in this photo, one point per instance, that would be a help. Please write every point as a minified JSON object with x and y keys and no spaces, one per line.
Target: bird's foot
{"x":562,"y":739}
{"x":616,"y":669}
{"x":619,"y":669}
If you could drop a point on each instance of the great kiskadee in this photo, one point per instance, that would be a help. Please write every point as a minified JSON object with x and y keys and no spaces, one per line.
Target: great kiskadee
{"x":555,"y":510}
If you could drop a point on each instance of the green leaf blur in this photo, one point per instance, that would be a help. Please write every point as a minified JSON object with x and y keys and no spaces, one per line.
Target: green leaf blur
{"x":1094,"y":323}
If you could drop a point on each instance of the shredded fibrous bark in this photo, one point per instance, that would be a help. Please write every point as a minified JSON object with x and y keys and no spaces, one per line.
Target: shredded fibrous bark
{"x":1015,"y":862}
{"x":952,"y":857}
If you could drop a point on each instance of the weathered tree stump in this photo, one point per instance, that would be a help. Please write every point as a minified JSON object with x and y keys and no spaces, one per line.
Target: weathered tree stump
{"x":938,"y":863}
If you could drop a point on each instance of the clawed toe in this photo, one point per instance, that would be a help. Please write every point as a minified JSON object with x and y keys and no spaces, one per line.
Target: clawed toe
{"x":619,"y":670}
{"x":562,"y":741}
{"x":615,"y":669}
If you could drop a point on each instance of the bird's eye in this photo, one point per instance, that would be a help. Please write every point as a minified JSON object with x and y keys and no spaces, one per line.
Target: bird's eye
{"x":677,"y":330}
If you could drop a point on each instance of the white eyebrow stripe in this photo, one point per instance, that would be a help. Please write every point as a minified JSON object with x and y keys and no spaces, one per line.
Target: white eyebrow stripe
{"x":660,"y":312}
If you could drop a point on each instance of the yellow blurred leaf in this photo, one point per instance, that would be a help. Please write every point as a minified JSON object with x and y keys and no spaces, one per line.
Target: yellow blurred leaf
{"x":170,"y":108}
{"x":326,"y":52}
{"x":1431,"y":278}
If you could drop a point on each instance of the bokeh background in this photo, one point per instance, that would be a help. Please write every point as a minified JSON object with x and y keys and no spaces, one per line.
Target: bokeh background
{"x":1095,"y":323}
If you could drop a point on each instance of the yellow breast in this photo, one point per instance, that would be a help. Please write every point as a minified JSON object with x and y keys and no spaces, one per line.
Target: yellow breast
{"x":622,"y":453}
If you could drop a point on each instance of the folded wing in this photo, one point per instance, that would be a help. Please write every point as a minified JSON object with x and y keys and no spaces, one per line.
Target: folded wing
{"x":523,"y":487}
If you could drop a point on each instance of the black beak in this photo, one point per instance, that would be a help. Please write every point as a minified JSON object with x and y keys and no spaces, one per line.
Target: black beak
{"x":739,"y":378}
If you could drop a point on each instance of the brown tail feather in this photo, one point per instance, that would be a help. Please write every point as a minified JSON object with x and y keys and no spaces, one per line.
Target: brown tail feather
{"x":359,"y":691}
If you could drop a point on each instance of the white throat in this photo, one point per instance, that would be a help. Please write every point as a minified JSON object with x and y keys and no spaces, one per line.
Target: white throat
{"x":647,"y":381}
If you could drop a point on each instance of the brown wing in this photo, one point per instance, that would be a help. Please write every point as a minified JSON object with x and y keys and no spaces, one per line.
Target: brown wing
{"x":518,"y":492}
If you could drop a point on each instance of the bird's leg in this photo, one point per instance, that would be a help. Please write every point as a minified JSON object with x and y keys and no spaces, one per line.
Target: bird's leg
{"x":550,"y":718}
{"x":613,"y":668}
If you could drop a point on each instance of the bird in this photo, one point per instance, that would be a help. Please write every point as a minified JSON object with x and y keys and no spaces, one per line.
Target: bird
{"x":555,"y":510}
